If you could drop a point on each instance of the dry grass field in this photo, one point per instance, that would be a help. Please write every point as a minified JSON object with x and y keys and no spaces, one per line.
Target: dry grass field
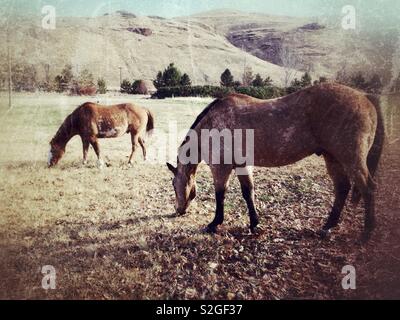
{"x":111,"y":233}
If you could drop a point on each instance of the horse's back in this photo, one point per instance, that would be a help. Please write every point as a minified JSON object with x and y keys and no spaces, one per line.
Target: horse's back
{"x":328,"y":117}
{"x":110,"y":121}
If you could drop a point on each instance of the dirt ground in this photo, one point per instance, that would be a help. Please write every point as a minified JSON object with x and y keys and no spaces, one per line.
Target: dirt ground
{"x":111,"y":233}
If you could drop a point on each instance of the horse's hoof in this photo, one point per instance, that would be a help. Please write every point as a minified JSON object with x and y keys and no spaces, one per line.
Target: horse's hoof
{"x":255,"y":229}
{"x":324,"y":233}
{"x":100,"y":164}
{"x":210,"y":229}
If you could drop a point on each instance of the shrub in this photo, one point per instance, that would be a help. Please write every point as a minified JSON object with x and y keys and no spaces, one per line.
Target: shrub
{"x":24,"y":77}
{"x":126,"y":86}
{"x":78,"y":90}
{"x":217,"y":92}
{"x":102,"y":86}
{"x":85,"y":78}
{"x":261,"y":92}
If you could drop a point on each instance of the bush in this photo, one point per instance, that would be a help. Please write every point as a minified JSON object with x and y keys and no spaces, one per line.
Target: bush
{"x":126,"y":86}
{"x":102,"y":86}
{"x":24,"y":77}
{"x":217,"y":92}
{"x":261,"y":92}
{"x":78,"y":90}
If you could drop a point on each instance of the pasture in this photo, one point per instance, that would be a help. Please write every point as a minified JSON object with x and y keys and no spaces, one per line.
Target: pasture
{"x":112,"y":233}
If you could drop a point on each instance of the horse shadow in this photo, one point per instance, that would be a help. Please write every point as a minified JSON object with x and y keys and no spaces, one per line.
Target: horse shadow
{"x":109,"y":226}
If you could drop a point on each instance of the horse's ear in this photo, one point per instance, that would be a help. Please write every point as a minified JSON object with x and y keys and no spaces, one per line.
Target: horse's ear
{"x":172,"y":168}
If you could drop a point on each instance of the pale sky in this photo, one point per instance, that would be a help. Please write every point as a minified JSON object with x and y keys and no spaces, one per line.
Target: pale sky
{"x":387,"y":11}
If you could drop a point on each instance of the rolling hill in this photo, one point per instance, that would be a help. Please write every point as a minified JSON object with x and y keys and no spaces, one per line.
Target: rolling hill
{"x":202,"y":45}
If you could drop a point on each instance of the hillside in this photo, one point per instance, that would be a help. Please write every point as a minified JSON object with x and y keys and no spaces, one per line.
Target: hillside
{"x":140,"y":45}
{"x":202,"y":45}
{"x":318,"y":45}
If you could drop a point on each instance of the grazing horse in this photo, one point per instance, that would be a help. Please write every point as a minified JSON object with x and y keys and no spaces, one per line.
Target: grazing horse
{"x":92,"y":122}
{"x":342,"y":124}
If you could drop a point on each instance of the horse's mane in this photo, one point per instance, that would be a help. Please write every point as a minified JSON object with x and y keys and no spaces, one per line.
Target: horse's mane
{"x":65,"y":129}
{"x":203,"y":113}
{"x":200,"y":117}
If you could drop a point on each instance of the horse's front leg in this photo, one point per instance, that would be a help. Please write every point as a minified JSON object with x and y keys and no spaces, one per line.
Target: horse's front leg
{"x":96,"y":147}
{"x":221,"y":174}
{"x":247,"y":186}
{"x":85,"y":145}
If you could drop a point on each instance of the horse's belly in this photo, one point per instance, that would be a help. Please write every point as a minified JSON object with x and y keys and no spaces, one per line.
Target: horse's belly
{"x":283,"y":153}
{"x":113,"y":132}
{"x":280,"y":161}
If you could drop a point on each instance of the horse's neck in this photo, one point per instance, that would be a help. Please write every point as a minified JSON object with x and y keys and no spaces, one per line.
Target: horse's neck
{"x":65,"y":133}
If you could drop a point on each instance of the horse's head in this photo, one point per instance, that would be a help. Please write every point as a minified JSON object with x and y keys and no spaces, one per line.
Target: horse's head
{"x":185,"y":188}
{"x":55,"y":154}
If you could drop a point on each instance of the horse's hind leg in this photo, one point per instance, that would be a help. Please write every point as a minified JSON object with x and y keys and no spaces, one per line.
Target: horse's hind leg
{"x":247,"y":186}
{"x":141,"y":142}
{"x":342,"y":187}
{"x":366,"y":186}
{"x":221,"y":174}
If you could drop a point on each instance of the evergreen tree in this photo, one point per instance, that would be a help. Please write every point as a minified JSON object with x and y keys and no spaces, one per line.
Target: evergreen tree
{"x":185,"y":80}
{"x":227,"y":79}
{"x":306,"y":80}
{"x":172,"y":76}
{"x":159,"y":82}
{"x":258,"y":81}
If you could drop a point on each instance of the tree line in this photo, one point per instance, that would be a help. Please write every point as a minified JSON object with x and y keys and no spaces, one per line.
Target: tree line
{"x":24,"y":77}
{"x":171,"y":82}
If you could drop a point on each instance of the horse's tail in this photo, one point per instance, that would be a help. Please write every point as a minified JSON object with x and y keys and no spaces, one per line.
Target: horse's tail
{"x":375,"y":153}
{"x":150,"y":122}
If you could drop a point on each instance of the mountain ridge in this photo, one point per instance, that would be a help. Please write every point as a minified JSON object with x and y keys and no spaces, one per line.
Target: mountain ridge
{"x":202,"y":45}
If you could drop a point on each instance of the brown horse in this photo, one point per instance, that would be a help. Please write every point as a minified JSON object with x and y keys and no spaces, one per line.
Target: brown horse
{"x":92,"y":122}
{"x":342,"y":124}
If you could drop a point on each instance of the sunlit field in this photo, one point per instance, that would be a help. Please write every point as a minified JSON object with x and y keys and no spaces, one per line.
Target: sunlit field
{"x":112,"y":233}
